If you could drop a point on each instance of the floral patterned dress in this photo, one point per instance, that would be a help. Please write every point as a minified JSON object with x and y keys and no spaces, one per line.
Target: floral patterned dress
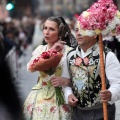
{"x":85,"y":74}
{"x":41,"y":102}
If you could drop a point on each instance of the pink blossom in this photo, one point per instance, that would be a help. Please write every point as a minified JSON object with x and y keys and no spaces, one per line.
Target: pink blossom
{"x":78,"y":61}
{"x":29,"y":108}
{"x":86,"y":60}
{"x":101,"y":12}
{"x":100,"y":15}
{"x":118,"y":29}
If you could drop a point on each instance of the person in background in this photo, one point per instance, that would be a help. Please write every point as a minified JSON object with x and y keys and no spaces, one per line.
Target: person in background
{"x":10,"y":104}
{"x":117,"y":45}
{"x":41,"y":103}
{"x":109,"y":41}
{"x":37,"y":38}
{"x":73,"y":41}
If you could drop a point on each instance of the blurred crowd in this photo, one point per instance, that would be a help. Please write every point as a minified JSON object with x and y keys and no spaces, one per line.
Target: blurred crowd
{"x":17,"y":33}
{"x":28,"y":31}
{"x":24,"y":32}
{"x":21,"y":33}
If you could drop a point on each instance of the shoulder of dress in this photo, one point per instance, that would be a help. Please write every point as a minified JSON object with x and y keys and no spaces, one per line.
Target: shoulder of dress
{"x":39,"y":49}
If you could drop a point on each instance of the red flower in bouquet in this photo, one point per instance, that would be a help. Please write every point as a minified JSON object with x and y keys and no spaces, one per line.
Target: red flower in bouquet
{"x":48,"y":54}
{"x":48,"y":62}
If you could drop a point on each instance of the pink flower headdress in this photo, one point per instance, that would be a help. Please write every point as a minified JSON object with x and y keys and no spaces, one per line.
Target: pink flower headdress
{"x":102,"y":17}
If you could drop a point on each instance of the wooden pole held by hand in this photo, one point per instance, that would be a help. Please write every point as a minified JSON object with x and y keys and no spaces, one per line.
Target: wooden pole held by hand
{"x":102,"y":70}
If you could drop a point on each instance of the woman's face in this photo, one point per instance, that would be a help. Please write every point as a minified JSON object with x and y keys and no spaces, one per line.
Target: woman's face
{"x":50,"y":31}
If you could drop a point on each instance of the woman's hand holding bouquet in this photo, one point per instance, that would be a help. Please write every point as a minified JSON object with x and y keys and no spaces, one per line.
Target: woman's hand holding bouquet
{"x":48,"y":62}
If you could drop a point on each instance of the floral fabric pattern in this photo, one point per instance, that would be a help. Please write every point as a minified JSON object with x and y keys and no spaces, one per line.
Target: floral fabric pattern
{"x":86,"y":83}
{"x":41,"y":102}
{"x":83,"y":82}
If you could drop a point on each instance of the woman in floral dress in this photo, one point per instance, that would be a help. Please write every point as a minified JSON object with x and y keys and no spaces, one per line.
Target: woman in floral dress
{"x":41,"y":103}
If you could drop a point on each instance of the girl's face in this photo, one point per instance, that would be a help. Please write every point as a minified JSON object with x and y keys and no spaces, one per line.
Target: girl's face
{"x":50,"y":31}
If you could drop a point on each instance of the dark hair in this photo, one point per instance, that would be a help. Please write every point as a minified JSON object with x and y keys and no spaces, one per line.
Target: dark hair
{"x":64,"y":30}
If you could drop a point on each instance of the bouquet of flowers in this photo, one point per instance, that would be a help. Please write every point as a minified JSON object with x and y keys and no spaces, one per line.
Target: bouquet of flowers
{"x":48,"y":62}
{"x":102,"y":17}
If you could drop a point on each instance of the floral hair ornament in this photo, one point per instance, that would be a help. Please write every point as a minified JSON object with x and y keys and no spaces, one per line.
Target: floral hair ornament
{"x":102,"y":17}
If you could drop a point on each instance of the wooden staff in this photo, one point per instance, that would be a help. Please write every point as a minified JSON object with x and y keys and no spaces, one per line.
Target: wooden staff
{"x":102,"y":70}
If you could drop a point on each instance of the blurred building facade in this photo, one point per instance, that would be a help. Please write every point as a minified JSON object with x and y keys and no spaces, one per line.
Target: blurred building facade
{"x":60,"y":7}
{"x":46,"y":7}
